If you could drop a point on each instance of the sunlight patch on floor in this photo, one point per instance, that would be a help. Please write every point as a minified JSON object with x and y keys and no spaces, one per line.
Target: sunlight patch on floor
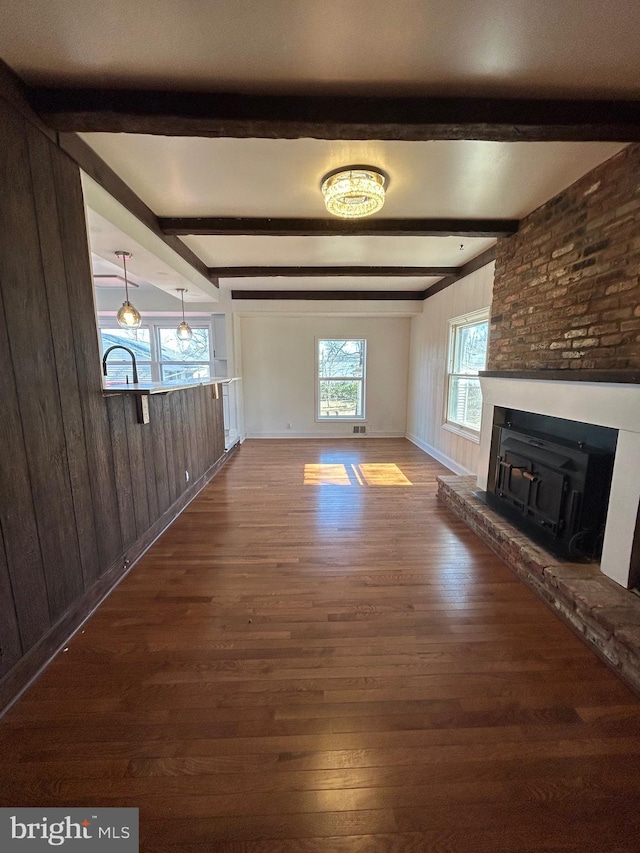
{"x":365,"y":474}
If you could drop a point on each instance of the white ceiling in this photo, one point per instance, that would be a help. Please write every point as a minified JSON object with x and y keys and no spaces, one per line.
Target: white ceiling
{"x":340,"y":251}
{"x":489,"y":48}
{"x":183,"y":176}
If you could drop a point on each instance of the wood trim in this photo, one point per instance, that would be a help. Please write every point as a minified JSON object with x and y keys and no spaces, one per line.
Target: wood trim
{"x":292,"y":227}
{"x":335,"y":295}
{"x":33,"y":663}
{"x":87,"y":159}
{"x":324,"y":272}
{"x":474,"y":264}
{"x":217,"y":114}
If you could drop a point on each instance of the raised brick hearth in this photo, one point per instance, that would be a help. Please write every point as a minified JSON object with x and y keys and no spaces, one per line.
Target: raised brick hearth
{"x":606,"y":616}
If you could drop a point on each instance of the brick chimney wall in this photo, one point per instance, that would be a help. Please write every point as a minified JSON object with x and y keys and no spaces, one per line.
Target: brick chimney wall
{"x":567,"y":290}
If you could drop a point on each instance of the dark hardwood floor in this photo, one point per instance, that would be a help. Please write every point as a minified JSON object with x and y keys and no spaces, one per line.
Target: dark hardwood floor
{"x":317,"y":656}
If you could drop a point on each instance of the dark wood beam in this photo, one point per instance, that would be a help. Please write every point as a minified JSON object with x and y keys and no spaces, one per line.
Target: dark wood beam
{"x":333,"y":295}
{"x":466,"y":269}
{"x":289,"y":227}
{"x":221,"y":114}
{"x":325,"y":272}
{"x":474,"y":264}
{"x":86,"y":158}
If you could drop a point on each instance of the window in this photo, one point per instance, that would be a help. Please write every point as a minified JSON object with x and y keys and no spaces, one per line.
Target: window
{"x":467,"y":355}
{"x":341,"y":377}
{"x":160,"y":356}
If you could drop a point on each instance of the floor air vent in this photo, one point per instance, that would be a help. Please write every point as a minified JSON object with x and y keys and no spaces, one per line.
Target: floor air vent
{"x":360,"y":430}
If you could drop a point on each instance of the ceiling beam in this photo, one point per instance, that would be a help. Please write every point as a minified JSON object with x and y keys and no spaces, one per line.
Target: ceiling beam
{"x":224,"y":114}
{"x":324,"y":272}
{"x":385,"y":295}
{"x":289,"y":227}
{"x":333,"y":295}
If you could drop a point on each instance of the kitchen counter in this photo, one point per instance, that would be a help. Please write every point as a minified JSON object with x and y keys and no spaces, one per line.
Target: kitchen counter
{"x":141,"y":391}
{"x":110,"y":386}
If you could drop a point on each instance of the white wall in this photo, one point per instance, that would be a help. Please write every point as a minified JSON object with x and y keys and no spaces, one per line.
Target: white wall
{"x":428,"y":368}
{"x":278,"y":374}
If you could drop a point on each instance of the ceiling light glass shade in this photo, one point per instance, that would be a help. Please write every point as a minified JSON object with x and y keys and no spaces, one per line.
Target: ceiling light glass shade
{"x":184,"y":331}
{"x":354,"y":191}
{"x":128,"y":316}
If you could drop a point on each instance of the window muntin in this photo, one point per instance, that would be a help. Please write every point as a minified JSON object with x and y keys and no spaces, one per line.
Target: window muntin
{"x":467,"y":356}
{"x":160,"y":356}
{"x":341,"y":378}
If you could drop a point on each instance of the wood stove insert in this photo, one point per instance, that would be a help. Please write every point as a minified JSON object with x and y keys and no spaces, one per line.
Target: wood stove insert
{"x":552,"y":485}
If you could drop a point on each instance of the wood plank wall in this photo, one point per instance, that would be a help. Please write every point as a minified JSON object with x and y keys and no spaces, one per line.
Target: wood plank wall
{"x":82,"y":484}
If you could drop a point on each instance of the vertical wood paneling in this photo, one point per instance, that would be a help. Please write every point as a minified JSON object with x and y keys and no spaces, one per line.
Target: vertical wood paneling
{"x":191,"y":431}
{"x":175,"y":410}
{"x":218,"y":406}
{"x":136,"y":461}
{"x":196,"y":420}
{"x":200,"y":429}
{"x":159,"y":454}
{"x":186,"y":432}
{"x":209,"y":410}
{"x":17,"y":516}
{"x":122,"y":468}
{"x":40,"y":151}
{"x":10,"y":645}
{"x":96,"y":421}
{"x":169,"y":448}
{"x":193,"y":434}
{"x":149,"y":471}
{"x":32,"y":355}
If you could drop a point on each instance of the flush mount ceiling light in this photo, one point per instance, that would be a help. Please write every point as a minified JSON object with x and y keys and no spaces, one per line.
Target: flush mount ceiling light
{"x":184,"y":330}
{"x":128,"y":317}
{"x":354,"y":191}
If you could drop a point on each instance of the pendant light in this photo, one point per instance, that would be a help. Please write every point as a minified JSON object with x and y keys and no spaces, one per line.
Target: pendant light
{"x":184,"y":330}
{"x":128,"y":316}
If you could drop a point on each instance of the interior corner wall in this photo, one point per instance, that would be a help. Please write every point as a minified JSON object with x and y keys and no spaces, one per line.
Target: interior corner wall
{"x":428,"y":369}
{"x":278,"y":374}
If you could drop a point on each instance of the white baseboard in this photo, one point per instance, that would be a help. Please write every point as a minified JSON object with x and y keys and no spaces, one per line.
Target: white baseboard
{"x":451,"y":464}
{"x":310,"y":435}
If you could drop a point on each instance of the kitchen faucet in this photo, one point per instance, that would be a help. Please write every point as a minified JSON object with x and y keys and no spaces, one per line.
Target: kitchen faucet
{"x":133,"y":361}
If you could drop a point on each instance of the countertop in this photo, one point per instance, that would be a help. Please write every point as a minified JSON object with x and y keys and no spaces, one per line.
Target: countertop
{"x":144,"y":388}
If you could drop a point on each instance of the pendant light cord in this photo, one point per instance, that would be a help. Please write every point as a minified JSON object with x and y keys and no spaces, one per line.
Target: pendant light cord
{"x":126,"y":283}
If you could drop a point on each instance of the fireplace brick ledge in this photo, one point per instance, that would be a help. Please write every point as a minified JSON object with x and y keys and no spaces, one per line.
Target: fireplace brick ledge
{"x":606,"y":616}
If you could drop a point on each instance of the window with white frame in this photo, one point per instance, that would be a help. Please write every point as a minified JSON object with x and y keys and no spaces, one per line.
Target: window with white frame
{"x":468,"y":337}
{"x":160,"y":356}
{"x":340,"y":374}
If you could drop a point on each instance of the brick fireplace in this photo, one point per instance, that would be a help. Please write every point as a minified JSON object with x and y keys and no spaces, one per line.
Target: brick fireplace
{"x":565,"y":342}
{"x":565,"y":331}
